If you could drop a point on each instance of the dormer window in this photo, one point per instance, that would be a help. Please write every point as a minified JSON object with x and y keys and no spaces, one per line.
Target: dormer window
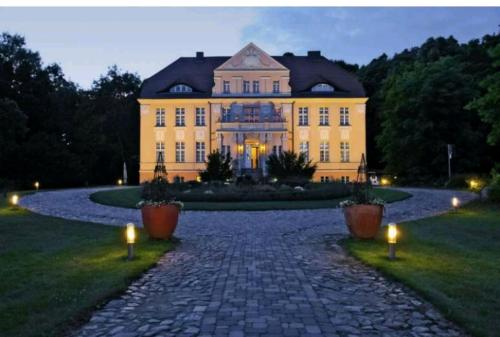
{"x":322,"y":87}
{"x":181,"y":88}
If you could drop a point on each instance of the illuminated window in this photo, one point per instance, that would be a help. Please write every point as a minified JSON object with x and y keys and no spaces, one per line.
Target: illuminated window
{"x":344,"y":116}
{"x":179,"y":152}
{"x":276,"y":87}
{"x":160,"y":117}
{"x":324,"y":152}
{"x":303,"y":116}
{"x":226,"y":87}
{"x":344,"y":152}
{"x":246,"y":87}
{"x":200,"y":152}
{"x":344,"y":179}
{"x":200,"y":117}
{"x":256,"y":87}
{"x":323,"y":116}
{"x":160,"y":150}
{"x":180,"y":117}
{"x":304,"y":148}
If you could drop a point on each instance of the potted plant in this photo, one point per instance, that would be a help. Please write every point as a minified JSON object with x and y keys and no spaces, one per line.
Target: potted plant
{"x":160,"y":211}
{"x":363,"y":213}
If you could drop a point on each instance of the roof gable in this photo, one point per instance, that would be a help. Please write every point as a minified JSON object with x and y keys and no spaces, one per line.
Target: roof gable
{"x":251,"y":57}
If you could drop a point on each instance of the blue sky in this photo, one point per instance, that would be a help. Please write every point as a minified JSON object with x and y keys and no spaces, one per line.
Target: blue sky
{"x":85,"y":41}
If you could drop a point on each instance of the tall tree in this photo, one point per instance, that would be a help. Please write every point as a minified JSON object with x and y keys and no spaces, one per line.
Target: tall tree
{"x":488,"y":104}
{"x":423,"y":111}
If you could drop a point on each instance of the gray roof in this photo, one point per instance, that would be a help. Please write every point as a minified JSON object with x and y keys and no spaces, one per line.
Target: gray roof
{"x":305,"y":72}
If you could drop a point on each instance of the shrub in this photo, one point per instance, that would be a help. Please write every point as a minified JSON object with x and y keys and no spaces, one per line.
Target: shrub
{"x":157,"y":190}
{"x":218,"y":167}
{"x":290,"y":168}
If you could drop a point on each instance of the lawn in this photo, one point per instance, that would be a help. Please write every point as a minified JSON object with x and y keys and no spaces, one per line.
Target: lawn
{"x":55,"y":271}
{"x":128,"y":198}
{"x":453,"y":260}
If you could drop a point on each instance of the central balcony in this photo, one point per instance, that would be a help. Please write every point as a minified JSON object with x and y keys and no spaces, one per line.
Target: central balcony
{"x":252,"y":117}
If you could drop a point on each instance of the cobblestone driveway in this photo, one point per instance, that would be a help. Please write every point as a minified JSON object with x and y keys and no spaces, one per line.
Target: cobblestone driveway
{"x":269,"y":273}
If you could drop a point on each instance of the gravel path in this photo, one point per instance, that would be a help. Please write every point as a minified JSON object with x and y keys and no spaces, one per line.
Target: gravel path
{"x":263,"y":273}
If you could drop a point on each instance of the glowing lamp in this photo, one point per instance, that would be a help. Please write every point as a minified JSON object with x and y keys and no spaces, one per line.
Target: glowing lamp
{"x":455,"y":202}
{"x":384,"y":181}
{"x":120,"y":182}
{"x":262,"y":148}
{"x":14,"y":200}
{"x":130,"y":236}
{"x":392,"y":237}
{"x":473,"y":184}
{"x":240,"y":148}
{"x":198,"y":179}
{"x":37,"y":185}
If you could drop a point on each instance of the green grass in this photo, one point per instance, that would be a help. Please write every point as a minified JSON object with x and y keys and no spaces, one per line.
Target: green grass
{"x":453,"y":260}
{"x":129,"y":197}
{"x":55,"y":271}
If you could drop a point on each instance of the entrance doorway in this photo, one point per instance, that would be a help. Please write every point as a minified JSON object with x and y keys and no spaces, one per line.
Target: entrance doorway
{"x":255,"y":157}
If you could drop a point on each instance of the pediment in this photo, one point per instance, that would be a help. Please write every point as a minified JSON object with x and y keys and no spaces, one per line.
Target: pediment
{"x":251,"y":57}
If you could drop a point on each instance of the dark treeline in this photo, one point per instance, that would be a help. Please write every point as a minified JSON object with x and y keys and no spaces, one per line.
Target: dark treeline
{"x":56,"y":133}
{"x":427,"y":97}
{"x":421,"y":99}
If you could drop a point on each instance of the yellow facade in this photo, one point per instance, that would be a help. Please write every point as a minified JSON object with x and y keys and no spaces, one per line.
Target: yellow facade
{"x":251,"y":138}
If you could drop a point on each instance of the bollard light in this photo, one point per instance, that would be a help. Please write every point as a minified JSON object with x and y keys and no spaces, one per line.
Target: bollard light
{"x":473,"y":184}
{"x":37,"y":185}
{"x":392,"y":238}
{"x":130,"y":235}
{"x":14,"y":200}
{"x":455,"y":202}
{"x":120,"y":182}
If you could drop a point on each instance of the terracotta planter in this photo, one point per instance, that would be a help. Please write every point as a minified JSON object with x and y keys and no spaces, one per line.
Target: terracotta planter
{"x":160,"y":221}
{"x":363,"y":221}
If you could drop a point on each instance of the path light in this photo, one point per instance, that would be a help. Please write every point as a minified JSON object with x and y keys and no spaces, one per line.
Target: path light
{"x":473,"y":184}
{"x":455,"y":202}
{"x":120,"y":182}
{"x":37,"y":185}
{"x":384,"y":181}
{"x":130,"y":234}
{"x":14,"y":200}
{"x":392,"y":236}
{"x":198,"y":179}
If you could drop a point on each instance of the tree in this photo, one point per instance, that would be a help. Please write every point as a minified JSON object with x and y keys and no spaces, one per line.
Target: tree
{"x":218,"y":167}
{"x":423,"y":110}
{"x":108,"y":127}
{"x":288,"y":166}
{"x":488,"y":104}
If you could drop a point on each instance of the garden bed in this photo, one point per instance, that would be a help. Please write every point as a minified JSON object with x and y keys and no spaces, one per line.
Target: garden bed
{"x":319,"y":196}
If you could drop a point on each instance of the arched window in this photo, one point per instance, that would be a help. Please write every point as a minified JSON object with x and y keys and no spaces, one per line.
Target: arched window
{"x":322,"y":87}
{"x":181,"y":88}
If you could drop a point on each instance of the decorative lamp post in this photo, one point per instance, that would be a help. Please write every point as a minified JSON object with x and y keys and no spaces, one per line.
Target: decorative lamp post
{"x":37,"y":185}
{"x":392,"y":235}
{"x":130,"y":235}
{"x":14,"y":200}
{"x":455,"y":202}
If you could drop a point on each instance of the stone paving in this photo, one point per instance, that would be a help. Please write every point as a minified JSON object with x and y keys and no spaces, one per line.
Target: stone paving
{"x":263,"y":273}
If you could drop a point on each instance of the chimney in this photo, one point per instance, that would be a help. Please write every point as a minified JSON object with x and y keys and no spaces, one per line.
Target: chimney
{"x":199,"y":55}
{"x":313,"y":53}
